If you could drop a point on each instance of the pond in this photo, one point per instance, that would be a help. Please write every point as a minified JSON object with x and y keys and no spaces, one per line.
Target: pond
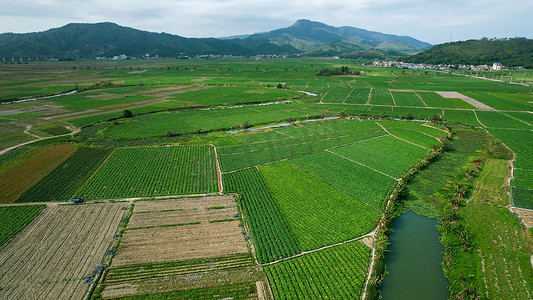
{"x":414,"y":260}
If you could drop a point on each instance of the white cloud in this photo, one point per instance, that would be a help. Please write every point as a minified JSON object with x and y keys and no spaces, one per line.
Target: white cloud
{"x":431,"y":21}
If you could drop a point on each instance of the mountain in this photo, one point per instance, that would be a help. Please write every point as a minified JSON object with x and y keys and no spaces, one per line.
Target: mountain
{"x":510,"y":52}
{"x":306,"y":35}
{"x":109,"y":39}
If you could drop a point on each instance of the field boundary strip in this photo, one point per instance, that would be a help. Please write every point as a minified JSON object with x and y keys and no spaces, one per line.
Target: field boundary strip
{"x":397,"y":179}
{"x":368,"y":235}
{"x":348,"y":96}
{"x":326,"y":149}
{"x":475,"y":114}
{"x":338,"y":189}
{"x":219,"y":172}
{"x":302,"y":143}
{"x":419,"y":97}
{"x":95,"y":171}
{"x":517,"y":119}
{"x":401,"y":138}
{"x":369,"y":96}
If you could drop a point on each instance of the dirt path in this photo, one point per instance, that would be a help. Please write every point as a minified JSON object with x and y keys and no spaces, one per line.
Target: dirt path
{"x":385,"y":129}
{"x":27,"y":131}
{"x":6,"y":150}
{"x":219,"y":173}
{"x":368,"y":235}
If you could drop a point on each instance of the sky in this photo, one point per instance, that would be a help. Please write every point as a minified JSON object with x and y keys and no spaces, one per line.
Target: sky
{"x":433,"y":21}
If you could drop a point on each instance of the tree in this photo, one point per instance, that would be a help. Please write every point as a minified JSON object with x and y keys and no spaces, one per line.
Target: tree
{"x":128,"y":113}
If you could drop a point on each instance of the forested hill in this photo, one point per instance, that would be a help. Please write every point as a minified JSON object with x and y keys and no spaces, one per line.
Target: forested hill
{"x":510,"y":52}
{"x":305,"y":38}
{"x":108,"y":39}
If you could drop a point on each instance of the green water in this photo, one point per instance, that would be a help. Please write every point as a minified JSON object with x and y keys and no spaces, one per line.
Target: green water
{"x":414,"y":260}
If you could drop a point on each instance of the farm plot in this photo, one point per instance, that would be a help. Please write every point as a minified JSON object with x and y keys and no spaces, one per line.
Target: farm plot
{"x":414,"y":132}
{"x":381,"y":97}
{"x":500,"y":101}
{"x":337,"y":95}
{"x":234,"y":95}
{"x":16,"y":180}
{"x":359,"y":95}
{"x":62,"y":182}
{"x":407,"y":99}
{"x":387,"y":154}
{"x":355,"y":180}
{"x":433,"y":99}
{"x":228,"y":276}
{"x":317,"y":214}
{"x":336,"y":273}
{"x":181,"y":229}
{"x":500,"y":120}
{"x":245,"y":156}
{"x":271,"y":236}
{"x":467,"y":117}
{"x":50,"y":258}
{"x":153,"y":171}
{"x":13,"y":218}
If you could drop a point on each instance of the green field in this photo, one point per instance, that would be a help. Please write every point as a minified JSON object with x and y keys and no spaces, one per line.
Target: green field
{"x":337,"y":272}
{"x":269,"y":231}
{"x":154,"y":171}
{"x":63,"y":181}
{"x":308,"y":172}
{"x":13,"y":218}
{"x":337,"y":217}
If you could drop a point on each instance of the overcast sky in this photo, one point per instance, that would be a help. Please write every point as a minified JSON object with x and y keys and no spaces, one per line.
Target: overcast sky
{"x":433,"y":21}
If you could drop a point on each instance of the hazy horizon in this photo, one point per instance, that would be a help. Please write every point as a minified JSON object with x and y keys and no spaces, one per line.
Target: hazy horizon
{"x":427,"y":21}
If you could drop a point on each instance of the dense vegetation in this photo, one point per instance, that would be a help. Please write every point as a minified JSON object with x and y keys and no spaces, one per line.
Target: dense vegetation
{"x":510,"y":52}
{"x":13,"y":218}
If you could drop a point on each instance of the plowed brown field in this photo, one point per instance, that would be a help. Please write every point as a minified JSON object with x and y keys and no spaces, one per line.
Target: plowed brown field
{"x":171,"y":240}
{"x":51,"y":256}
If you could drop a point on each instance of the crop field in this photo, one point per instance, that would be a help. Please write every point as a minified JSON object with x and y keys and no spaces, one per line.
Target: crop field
{"x":435,"y":100}
{"x":388,"y":155}
{"x":270,"y":234}
{"x":337,"y":273}
{"x":51,"y":256}
{"x":16,"y":180}
{"x":153,"y":171}
{"x":65,"y":179}
{"x":407,"y":99}
{"x":234,"y":95}
{"x":13,"y":218}
{"x":191,"y":279}
{"x":181,"y":229}
{"x":302,"y":178}
{"x":381,"y":96}
{"x":337,"y":217}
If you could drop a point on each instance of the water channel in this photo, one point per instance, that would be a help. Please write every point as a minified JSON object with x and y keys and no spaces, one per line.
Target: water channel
{"x":414,"y":260}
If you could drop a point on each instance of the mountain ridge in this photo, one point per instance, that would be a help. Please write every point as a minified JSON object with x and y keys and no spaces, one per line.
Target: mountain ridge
{"x":89,"y":40}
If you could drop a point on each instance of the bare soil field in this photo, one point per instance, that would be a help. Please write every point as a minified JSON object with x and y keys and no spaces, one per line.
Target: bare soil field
{"x":51,"y":256}
{"x":182,"y":241}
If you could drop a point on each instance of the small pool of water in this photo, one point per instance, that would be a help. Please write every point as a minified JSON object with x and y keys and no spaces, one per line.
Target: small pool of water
{"x":414,"y":260}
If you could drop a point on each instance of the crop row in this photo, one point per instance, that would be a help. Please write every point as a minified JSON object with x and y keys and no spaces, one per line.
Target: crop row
{"x":316,"y":213}
{"x":153,"y":171}
{"x":355,"y":180}
{"x":271,"y":236}
{"x":386,"y":154}
{"x":246,"y":158}
{"x":15,"y":181}
{"x":234,"y":95}
{"x":381,"y":96}
{"x":13,"y":218}
{"x":334,"y":273}
{"x":62,"y":182}
{"x":407,"y":99}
